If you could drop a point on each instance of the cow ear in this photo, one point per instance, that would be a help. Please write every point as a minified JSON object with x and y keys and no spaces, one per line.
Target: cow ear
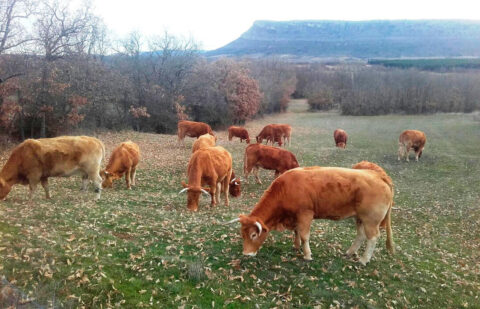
{"x":253,"y":235}
{"x":184,"y":184}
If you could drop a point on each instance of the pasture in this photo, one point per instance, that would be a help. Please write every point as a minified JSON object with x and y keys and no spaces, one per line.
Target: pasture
{"x":142,"y":248}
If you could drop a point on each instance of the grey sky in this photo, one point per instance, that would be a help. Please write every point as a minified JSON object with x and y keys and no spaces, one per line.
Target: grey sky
{"x":214,"y":23}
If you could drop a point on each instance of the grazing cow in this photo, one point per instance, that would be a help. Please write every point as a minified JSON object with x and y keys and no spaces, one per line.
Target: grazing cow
{"x":124,"y":160}
{"x":300,"y":195}
{"x":192,"y":129}
{"x":271,"y":133}
{"x":204,"y":141}
{"x":235,"y":186}
{"x":411,"y":139}
{"x":340,"y":137}
{"x":286,"y":132}
{"x":275,"y":133}
{"x":210,"y":166}
{"x":240,"y":132}
{"x":270,"y":158}
{"x":34,"y":160}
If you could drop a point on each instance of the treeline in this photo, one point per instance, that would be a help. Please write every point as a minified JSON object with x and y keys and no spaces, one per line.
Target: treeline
{"x":435,"y":64}
{"x":66,"y":73}
{"x":365,"y":90}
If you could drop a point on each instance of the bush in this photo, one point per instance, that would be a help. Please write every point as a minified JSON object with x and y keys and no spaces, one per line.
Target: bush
{"x":321,"y":100}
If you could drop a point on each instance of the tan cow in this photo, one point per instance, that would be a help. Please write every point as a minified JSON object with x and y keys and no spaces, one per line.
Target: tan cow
{"x":240,"y":132}
{"x":123,"y":160}
{"x":340,"y":137}
{"x":300,"y":195}
{"x":35,"y":160}
{"x":204,"y":141}
{"x":192,"y":129}
{"x":210,"y":167}
{"x":268,"y":157}
{"x":411,"y":139}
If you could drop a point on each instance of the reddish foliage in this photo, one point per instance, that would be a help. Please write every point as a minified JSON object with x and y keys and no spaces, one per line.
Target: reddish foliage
{"x":139,"y":112}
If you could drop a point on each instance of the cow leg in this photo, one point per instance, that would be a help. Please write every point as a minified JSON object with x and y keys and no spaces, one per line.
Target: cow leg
{"x":226,"y":187}
{"x":44,"y":182}
{"x":33,"y":186}
{"x":372,"y":232}
{"x":303,"y":229}
{"x":296,"y":241}
{"x":132,"y":175}
{"x":94,"y":176}
{"x":407,"y":152}
{"x":401,"y":151}
{"x":213,"y":192}
{"x":128,"y":176}
{"x":218,"y":192}
{"x":255,"y":173}
{"x":358,"y":240}
{"x":84,"y":182}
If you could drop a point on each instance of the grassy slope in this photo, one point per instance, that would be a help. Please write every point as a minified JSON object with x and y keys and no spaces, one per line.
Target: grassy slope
{"x":142,"y":247}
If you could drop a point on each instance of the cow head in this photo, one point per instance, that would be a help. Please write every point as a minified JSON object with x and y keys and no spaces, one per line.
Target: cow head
{"x":5,"y":188}
{"x":235,"y":186}
{"x":259,"y":139}
{"x":193,"y":195}
{"x":248,"y":140}
{"x":341,"y":145}
{"x":108,"y":178}
{"x":254,"y":232}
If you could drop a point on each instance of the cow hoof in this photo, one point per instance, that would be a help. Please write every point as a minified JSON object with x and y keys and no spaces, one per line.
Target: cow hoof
{"x":308,"y":258}
{"x":351,"y":255}
{"x":363,"y":261}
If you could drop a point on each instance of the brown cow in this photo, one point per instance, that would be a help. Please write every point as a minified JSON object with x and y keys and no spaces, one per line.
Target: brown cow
{"x":123,"y":160}
{"x":271,"y":133}
{"x":192,"y":129}
{"x":411,"y":139}
{"x":300,"y":195}
{"x":240,"y":132}
{"x":340,"y":137}
{"x":204,"y":141}
{"x":286,"y":132}
{"x":235,"y":186}
{"x":34,"y":160}
{"x":210,"y":166}
{"x":268,"y":157}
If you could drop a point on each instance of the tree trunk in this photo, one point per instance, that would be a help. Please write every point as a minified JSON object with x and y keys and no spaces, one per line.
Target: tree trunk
{"x":43,"y":127}
{"x":22,"y":129}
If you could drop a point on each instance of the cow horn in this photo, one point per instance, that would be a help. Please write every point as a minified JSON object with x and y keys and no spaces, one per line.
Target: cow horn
{"x":233,"y":179}
{"x":259,"y":228}
{"x":183,"y":190}
{"x":205,"y":191}
{"x":232,"y":221}
{"x":236,"y":183}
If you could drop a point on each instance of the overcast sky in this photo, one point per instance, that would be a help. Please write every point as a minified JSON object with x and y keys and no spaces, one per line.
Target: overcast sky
{"x":214,"y":23}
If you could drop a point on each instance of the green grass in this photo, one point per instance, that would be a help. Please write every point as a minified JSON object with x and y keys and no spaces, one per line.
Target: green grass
{"x":430,"y":64}
{"x":143,"y":248}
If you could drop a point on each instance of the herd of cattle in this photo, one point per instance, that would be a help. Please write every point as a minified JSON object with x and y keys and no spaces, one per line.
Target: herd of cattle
{"x":296,"y":196}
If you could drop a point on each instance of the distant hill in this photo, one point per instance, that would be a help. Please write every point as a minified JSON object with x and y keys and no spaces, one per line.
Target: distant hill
{"x":357,"y":39}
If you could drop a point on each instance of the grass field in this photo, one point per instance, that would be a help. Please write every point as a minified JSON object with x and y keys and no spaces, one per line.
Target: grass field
{"x":430,"y":64}
{"x":142,"y":248}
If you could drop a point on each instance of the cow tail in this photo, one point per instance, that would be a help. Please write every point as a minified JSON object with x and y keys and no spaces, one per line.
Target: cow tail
{"x":388,"y":227}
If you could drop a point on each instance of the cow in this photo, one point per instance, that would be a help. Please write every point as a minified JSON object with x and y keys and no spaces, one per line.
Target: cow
{"x":210,"y":166}
{"x":204,"y":141}
{"x":268,"y":157}
{"x":340,"y":137}
{"x":270,"y":133}
{"x":192,"y":129}
{"x":300,"y":195}
{"x":286,"y":132}
{"x":235,"y":186}
{"x":123,"y":160}
{"x":240,"y":132}
{"x":411,"y":139}
{"x":35,"y":160}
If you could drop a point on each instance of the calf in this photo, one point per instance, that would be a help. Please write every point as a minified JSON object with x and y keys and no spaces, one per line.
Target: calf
{"x":240,"y":132}
{"x":340,"y":137}
{"x":123,"y":160}
{"x":204,"y":141}
{"x":210,"y":166}
{"x":271,"y":133}
{"x":411,"y":139}
{"x":270,"y":158}
{"x":35,"y":160}
{"x":192,"y":129}
{"x":300,"y":195}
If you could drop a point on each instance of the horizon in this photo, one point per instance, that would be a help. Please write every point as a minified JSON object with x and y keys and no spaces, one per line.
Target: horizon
{"x":201,"y":20}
